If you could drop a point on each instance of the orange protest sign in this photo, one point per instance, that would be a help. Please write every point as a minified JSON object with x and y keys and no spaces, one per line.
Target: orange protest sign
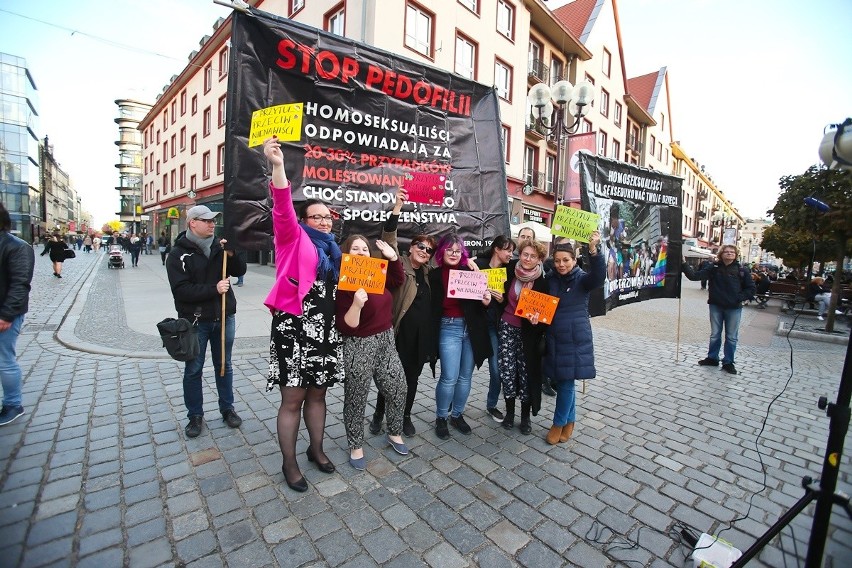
{"x":363,"y":272}
{"x":531,"y":302}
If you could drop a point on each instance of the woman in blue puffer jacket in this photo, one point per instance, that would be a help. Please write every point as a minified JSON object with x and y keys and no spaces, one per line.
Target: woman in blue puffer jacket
{"x":570,"y":353}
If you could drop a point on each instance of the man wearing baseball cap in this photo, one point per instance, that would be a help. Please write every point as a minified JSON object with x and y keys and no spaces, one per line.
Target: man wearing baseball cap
{"x":194,"y":267}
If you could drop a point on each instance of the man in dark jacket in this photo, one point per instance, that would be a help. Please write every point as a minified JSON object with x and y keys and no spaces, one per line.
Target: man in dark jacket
{"x":16,"y":273}
{"x":730,"y":286}
{"x":194,"y":267}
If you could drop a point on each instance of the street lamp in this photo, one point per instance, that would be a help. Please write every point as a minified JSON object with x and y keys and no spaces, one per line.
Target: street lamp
{"x":550,"y":107}
{"x":723,"y":221}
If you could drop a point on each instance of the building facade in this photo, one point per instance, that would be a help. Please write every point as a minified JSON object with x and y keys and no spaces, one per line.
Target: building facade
{"x":59,"y":201}
{"x":130,"y":114}
{"x":20,"y":184}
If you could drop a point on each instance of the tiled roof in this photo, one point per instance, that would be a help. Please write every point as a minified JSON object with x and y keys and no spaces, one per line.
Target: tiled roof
{"x":576,"y":15}
{"x":642,"y":88}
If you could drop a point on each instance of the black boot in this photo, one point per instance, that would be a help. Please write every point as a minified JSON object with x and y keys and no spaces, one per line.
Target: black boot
{"x":525,"y":426}
{"x":546,"y":388}
{"x":509,"y":420}
{"x":376,"y":424}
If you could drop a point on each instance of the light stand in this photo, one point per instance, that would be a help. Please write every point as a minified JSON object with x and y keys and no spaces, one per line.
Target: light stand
{"x":837,"y":155}
{"x":572,"y":101}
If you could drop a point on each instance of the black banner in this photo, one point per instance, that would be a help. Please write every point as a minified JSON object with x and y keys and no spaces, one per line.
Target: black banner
{"x":369,"y":118}
{"x":640,"y":228}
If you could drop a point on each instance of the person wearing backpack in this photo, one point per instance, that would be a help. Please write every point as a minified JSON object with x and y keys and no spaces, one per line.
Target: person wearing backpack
{"x":730,"y":285}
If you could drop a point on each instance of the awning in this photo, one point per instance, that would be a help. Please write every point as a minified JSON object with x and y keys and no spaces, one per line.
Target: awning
{"x":697,"y":252}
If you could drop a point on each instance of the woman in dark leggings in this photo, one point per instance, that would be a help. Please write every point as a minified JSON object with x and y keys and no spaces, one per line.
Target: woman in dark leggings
{"x":412,"y":308}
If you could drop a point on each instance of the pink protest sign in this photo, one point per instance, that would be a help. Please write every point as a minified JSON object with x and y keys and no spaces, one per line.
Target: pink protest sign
{"x":425,"y":188}
{"x":467,"y":284}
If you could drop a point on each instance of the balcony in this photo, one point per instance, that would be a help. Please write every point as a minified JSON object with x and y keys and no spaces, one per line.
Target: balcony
{"x":537,"y":72}
{"x":541,"y":182}
{"x":634,"y":145}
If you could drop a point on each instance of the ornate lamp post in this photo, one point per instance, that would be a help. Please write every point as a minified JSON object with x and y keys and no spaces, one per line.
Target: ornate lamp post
{"x":558,"y":112}
{"x":724,"y":221}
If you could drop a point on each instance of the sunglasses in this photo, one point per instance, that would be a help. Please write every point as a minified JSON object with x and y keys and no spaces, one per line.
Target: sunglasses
{"x":423,"y":246}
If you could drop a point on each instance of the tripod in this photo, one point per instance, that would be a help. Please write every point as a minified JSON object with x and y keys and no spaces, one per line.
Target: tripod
{"x":824,"y":494}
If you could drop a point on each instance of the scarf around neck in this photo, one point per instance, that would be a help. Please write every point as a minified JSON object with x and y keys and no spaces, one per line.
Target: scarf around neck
{"x":524,"y":278}
{"x":327,"y":251}
{"x":203,"y":244}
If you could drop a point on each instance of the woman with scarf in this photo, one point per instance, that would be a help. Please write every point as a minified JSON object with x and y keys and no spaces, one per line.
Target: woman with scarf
{"x":518,"y":337}
{"x":305,"y":351}
{"x":570,"y":352}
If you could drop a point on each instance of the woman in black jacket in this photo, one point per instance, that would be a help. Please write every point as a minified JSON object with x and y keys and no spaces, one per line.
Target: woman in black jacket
{"x":56,"y":247}
{"x":462,"y":337}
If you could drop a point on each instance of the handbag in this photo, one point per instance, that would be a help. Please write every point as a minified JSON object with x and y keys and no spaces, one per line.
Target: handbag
{"x":69,"y":253}
{"x":180,"y":338}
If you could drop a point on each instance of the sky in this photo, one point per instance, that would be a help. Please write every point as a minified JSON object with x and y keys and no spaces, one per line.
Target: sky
{"x":752,"y":83}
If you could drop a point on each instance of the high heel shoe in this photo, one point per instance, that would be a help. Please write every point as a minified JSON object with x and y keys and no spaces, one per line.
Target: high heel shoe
{"x":326,"y":467}
{"x":301,"y":485}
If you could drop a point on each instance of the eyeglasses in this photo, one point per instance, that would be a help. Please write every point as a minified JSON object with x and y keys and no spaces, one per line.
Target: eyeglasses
{"x":453,"y":252}
{"x":320,"y":218}
{"x":211,"y":221}
{"x":422,"y":246}
{"x":529,"y":256}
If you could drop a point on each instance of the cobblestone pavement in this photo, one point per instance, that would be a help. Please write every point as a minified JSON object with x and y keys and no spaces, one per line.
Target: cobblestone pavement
{"x":99,"y":473}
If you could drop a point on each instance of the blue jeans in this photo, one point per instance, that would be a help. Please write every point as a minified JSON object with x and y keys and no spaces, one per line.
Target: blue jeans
{"x":566,"y":403}
{"x":10,"y":371}
{"x":493,"y":371}
{"x":456,"y":354}
{"x":730,"y":318}
{"x":193,"y":396}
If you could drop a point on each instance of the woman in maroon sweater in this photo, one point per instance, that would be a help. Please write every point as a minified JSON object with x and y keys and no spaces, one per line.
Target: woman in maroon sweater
{"x":369,"y":352}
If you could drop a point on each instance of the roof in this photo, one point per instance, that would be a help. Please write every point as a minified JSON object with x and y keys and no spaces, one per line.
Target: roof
{"x":645,"y":89}
{"x":579,"y":16}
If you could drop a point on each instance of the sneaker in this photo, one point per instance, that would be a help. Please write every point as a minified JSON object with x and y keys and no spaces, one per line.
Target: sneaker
{"x":495,"y":414}
{"x":231,"y":419}
{"x":441,"y":429}
{"x":193,"y":429}
{"x":408,"y":427}
{"x":10,"y":413}
{"x":729,"y":367}
{"x":460,"y":425}
{"x":820,"y":318}
{"x":547,"y":390}
{"x":376,"y":424}
{"x":708,"y":362}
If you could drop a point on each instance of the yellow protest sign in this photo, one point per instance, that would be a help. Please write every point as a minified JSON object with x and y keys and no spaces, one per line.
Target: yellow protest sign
{"x":574,"y":223}
{"x":496,"y":278}
{"x":363,"y":272}
{"x":283,"y":121}
{"x":531,"y":302}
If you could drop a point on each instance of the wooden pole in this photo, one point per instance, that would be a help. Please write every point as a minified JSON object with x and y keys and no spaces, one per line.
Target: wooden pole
{"x":224,"y":300}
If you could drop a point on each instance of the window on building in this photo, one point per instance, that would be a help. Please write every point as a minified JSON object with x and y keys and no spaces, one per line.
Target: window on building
{"x":506,"y":134}
{"x":418,"y":29}
{"x":222,"y":108}
{"x":590,"y":79}
{"x":503,"y":80}
{"x":193,"y":144}
{"x":165,"y":119}
{"x":556,"y":67}
{"x":667,"y":156}
{"x":183,"y":139}
{"x":465,"y":57}
{"x":296,"y":5}
{"x":587,"y":126}
{"x":183,"y":102}
{"x":529,"y":165}
{"x":223,"y":63}
{"x":506,"y":19}
{"x":194,"y":104}
{"x":653,"y":147}
{"x":158,"y":137}
{"x":662,"y":121}
{"x":535,"y":64}
{"x":172,"y":180}
{"x":606,"y":62}
{"x":220,"y":159}
{"x":166,"y":151}
{"x":549,"y":169}
{"x":183,"y":176}
{"x":602,"y":143}
{"x":208,"y":77}
{"x":157,"y":169}
{"x":660,"y":151}
{"x":174,"y":145}
{"x":617,"y":114}
{"x":192,"y":184}
{"x":206,"y":122}
{"x":604,"y":102}
{"x":165,"y":183}
{"x":205,"y":165}
{"x":472,"y":5}
{"x":335,"y":19}
{"x":616,"y":150}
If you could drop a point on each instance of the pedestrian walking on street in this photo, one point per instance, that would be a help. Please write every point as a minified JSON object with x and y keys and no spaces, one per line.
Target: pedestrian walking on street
{"x":16,"y":273}
{"x":569,"y":349}
{"x":518,"y":337}
{"x":194,"y":268}
{"x":87,"y":243}
{"x":134,"y":245}
{"x":369,"y":352}
{"x":462,"y":337}
{"x":412,"y":315}
{"x":164,"y":246}
{"x":498,"y":256}
{"x":56,"y":249}
{"x":306,"y":351}
{"x":730,"y":285}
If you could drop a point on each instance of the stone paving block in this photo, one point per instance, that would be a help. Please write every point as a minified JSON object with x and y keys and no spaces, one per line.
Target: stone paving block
{"x":464,"y":537}
{"x":143,"y":511}
{"x":224,"y":502}
{"x":212,"y":485}
{"x":32,"y":476}
{"x":140,"y":476}
{"x":52,"y":528}
{"x":337,"y":547}
{"x":419,"y":536}
{"x":434,"y":481}
{"x":444,"y":556}
{"x":555,"y":535}
{"x":54,"y":553}
{"x":100,"y":541}
{"x":146,"y":532}
{"x":320,"y":525}
{"x":416,"y":497}
{"x":295,"y":552}
{"x":307,"y":505}
{"x":16,"y":513}
{"x":508,"y":537}
{"x":111,"y":557}
{"x":253,"y":554}
{"x":584,"y":503}
{"x":492,"y":557}
{"x":382,"y":545}
{"x":381,"y":499}
{"x":198,"y":545}
{"x":536,"y":555}
{"x":583,"y":554}
{"x":480,"y":515}
{"x":235,"y":535}
{"x":362,"y":521}
{"x":438,"y":515}
{"x":399,"y":516}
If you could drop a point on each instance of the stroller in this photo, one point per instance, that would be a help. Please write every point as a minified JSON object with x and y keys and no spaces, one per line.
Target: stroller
{"x":115,"y":259}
